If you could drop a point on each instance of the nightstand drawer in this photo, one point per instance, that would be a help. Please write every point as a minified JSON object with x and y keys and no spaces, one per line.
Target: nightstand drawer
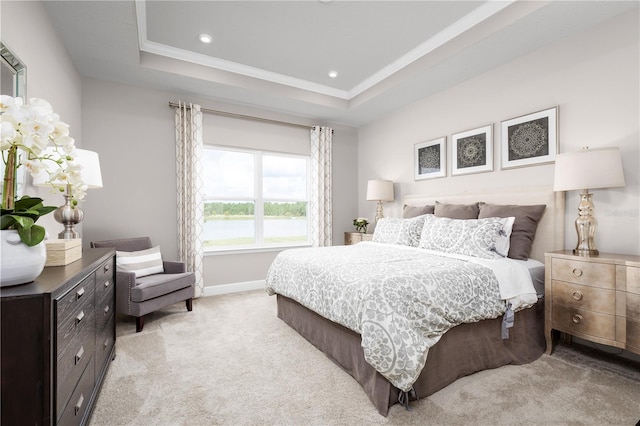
{"x":579,"y":321}
{"x":595,"y":274}
{"x":632,"y":310}
{"x":584,"y":297}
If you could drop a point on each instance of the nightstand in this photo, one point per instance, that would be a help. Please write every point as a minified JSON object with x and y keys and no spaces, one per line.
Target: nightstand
{"x":356,"y":237}
{"x":596,"y":298}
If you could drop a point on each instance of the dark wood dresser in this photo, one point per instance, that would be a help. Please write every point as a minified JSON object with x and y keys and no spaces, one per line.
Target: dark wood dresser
{"x":58,"y":338}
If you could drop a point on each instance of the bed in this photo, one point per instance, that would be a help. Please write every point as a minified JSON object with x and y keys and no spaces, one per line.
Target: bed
{"x":460,"y":349}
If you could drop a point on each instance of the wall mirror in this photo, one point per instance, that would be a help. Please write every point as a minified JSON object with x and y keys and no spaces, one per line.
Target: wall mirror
{"x":13,"y":74}
{"x":13,"y":82}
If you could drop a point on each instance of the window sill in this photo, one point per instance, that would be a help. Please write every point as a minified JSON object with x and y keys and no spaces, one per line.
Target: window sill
{"x":251,"y":250}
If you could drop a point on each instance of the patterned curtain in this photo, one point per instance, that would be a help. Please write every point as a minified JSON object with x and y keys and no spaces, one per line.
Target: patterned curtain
{"x":188,"y":120}
{"x":320,"y":210}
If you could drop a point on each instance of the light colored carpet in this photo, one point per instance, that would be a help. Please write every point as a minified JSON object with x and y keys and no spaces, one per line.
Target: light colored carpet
{"x":233,"y":362}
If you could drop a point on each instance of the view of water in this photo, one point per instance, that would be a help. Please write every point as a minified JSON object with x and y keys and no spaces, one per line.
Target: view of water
{"x":226,"y":229}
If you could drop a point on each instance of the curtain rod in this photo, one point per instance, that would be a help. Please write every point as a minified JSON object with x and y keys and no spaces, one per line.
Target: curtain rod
{"x":246,"y":117}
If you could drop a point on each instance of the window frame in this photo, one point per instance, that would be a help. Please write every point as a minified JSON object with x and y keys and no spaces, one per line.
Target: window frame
{"x":259,"y":201}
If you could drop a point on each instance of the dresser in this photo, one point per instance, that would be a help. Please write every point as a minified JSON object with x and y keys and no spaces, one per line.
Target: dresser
{"x":58,"y":338}
{"x":596,"y":298}
{"x":356,"y":237}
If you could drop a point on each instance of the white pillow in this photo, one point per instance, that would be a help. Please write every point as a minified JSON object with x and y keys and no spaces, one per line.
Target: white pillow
{"x":393,"y":230}
{"x":486,"y":238}
{"x":142,"y":263}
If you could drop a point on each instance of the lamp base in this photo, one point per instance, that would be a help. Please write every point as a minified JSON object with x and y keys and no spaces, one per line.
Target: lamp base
{"x":379,"y":211}
{"x":68,"y":215}
{"x":586,"y":226}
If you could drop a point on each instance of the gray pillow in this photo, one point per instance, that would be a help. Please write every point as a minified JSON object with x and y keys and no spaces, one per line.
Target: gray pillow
{"x":524,"y":227}
{"x":412,"y":211}
{"x":457,"y":211}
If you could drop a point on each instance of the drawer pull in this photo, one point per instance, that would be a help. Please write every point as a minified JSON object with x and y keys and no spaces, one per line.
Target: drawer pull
{"x":576,"y":295}
{"x":577,"y":319}
{"x":79,"y":354}
{"x":106,"y":344}
{"x":79,"y":293}
{"x":79,"y":404}
{"x":106,"y":268}
{"x":79,"y":317}
{"x":577,"y":272}
{"x":106,"y":284}
{"x":106,"y":309}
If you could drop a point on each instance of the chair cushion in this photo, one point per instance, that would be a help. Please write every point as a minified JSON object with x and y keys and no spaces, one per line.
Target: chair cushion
{"x":142,"y":262}
{"x":157,"y":285}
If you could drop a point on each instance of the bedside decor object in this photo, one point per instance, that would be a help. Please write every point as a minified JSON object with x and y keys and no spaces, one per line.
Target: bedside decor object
{"x":63,"y":252}
{"x":472,"y":151}
{"x":361,"y":224}
{"x":70,"y":214}
{"x":430,"y":159}
{"x":379,"y":190}
{"x":530,"y":139}
{"x":584,"y":170}
{"x":27,"y":131}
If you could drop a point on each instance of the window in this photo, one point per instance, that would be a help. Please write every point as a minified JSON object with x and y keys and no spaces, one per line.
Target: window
{"x":254,"y":199}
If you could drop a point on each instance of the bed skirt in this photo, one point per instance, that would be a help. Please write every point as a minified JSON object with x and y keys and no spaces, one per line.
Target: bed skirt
{"x":461,"y":351}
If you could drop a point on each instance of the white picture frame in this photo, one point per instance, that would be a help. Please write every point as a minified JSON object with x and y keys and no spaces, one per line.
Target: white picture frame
{"x":530,"y":139}
{"x":472,"y":151}
{"x":430,"y":159}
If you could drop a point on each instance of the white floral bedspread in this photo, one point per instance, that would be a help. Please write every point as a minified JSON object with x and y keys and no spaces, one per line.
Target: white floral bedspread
{"x":401,"y":300}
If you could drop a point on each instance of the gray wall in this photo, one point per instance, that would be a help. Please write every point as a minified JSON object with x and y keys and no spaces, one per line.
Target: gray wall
{"x":592,"y":77}
{"x":132,"y":130}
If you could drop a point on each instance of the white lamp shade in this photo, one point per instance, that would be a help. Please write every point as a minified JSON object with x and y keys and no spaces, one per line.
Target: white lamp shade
{"x":90,"y":163}
{"x":588,"y":169}
{"x":380,"y":190}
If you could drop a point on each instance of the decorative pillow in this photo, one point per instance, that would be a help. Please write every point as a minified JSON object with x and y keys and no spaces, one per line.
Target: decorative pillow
{"x":393,"y":230}
{"x":412,"y":211}
{"x":483,"y":238}
{"x":143,"y":262}
{"x":457,"y":211}
{"x":524,"y":227}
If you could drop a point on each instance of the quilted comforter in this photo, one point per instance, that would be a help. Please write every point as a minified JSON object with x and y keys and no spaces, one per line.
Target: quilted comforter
{"x":400,"y":299}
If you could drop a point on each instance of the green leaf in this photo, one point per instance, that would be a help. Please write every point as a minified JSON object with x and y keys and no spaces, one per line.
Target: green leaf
{"x":22,"y":221}
{"x":6,"y":222}
{"x":26,"y":203}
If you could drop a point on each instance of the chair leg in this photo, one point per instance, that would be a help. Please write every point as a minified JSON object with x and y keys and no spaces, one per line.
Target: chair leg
{"x":189,"y":304}
{"x":139,"y":324}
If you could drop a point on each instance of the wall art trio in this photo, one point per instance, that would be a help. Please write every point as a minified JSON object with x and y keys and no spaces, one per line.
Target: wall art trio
{"x":527,"y":140}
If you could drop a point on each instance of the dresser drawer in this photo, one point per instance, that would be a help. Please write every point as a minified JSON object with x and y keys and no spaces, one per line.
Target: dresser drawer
{"x":79,"y":401}
{"x":104,"y":280}
{"x":595,"y":274}
{"x":75,"y":298}
{"x":584,"y":297}
{"x":72,"y":326}
{"x":72,"y":361}
{"x":580,"y":321}
{"x":104,"y":343}
{"x":105,"y":311}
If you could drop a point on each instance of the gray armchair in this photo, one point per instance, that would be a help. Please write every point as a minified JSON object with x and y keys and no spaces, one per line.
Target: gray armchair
{"x":138,"y":297}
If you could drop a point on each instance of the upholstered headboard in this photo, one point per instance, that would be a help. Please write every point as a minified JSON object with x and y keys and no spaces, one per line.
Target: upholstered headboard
{"x":550,"y":232}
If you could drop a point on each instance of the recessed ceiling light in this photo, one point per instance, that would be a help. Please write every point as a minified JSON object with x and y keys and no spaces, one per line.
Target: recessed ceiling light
{"x":333,"y":74}
{"x":205,"y":38}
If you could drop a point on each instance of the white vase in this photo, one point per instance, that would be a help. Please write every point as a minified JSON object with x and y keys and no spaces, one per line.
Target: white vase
{"x":19,"y":263}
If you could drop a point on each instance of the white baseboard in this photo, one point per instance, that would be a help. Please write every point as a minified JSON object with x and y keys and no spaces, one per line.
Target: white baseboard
{"x":215,"y":290}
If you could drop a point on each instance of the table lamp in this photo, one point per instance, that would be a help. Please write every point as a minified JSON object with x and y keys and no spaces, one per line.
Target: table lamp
{"x":584,"y":170}
{"x":380,"y":191}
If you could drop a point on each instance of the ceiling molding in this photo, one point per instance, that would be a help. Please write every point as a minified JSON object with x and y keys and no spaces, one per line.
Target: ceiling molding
{"x":475,"y":17}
